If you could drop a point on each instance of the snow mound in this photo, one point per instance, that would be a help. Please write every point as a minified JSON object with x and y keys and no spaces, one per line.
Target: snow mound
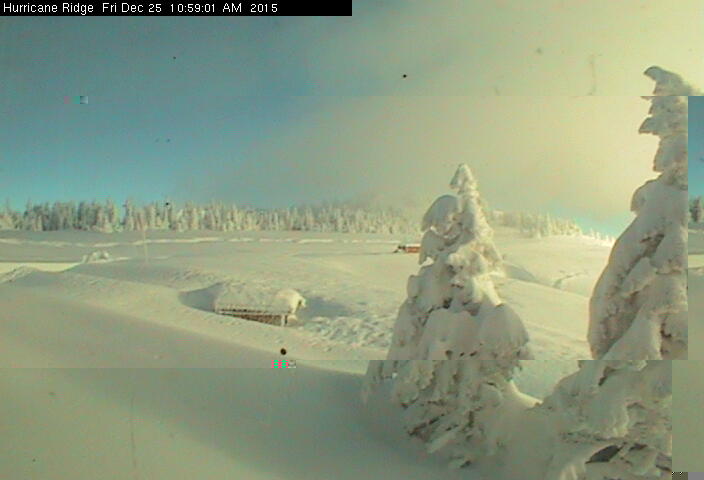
{"x":288,"y":300}
{"x":98,"y":256}
{"x":223,"y":294}
{"x":203,"y":298}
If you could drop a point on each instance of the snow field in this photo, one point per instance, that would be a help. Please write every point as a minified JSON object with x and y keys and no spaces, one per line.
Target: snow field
{"x":353,"y":284}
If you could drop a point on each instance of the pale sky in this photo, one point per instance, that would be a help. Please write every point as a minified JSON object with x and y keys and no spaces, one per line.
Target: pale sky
{"x":540,"y":98}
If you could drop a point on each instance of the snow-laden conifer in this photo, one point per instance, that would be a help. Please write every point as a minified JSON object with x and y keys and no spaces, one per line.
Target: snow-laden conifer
{"x":638,"y":309}
{"x":455,"y":345}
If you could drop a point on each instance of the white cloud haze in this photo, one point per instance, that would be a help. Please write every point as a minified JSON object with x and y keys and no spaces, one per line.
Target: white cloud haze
{"x":500,"y":86}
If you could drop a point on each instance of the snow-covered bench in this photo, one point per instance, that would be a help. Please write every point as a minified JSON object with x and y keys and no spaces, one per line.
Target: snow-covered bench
{"x":258,"y":315}
{"x":280,"y":311}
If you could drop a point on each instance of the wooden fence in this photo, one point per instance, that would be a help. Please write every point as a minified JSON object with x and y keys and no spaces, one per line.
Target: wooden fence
{"x":257,"y":315}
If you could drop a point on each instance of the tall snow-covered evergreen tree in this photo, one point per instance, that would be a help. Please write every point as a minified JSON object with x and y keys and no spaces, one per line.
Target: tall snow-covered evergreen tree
{"x":614,"y":414}
{"x":102,"y":223}
{"x":638,"y":310}
{"x":455,"y":344}
{"x":113,"y":214}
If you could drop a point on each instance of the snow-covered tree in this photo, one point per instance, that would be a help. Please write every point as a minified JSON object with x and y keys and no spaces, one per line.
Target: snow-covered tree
{"x":536,"y":225}
{"x":102,"y":220}
{"x":455,"y":344}
{"x":696,"y":210}
{"x":328,"y":217}
{"x":459,"y":242}
{"x":113,"y":214}
{"x":129,"y":220}
{"x":610,"y":420}
{"x":150,"y":217}
{"x":7,"y":219}
{"x":638,"y":310}
{"x":613,"y":416}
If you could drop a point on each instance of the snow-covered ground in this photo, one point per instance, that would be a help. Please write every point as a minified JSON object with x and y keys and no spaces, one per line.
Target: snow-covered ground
{"x":353,"y":285}
{"x":206,"y":424}
{"x":695,"y":287}
{"x":234,"y":417}
{"x":695,"y":247}
{"x":687,"y":420}
{"x":6,"y":267}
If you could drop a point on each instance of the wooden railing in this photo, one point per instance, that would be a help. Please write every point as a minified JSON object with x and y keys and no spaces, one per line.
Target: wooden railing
{"x":257,"y":315}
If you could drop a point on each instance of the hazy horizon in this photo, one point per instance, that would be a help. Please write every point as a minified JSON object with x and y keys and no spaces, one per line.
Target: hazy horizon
{"x":275,"y":112}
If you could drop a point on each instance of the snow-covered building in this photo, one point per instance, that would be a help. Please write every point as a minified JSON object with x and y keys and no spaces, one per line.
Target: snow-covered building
{"x":408,"y":248}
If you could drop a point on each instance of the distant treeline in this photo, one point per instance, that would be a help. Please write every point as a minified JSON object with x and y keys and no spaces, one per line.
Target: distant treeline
{"x":333,"y":217}
{"x":535,"y":225}
{"x":696,"y":210}
{"x":108,"y":217}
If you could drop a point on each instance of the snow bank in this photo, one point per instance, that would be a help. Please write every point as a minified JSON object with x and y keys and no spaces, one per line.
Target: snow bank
{"x":288,"y":300}
{"x":99,"y":256}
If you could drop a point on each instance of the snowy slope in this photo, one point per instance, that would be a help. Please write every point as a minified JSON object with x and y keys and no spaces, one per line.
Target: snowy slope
{"x":567,"y":263}
{"x":695,"y":279}
{"x":353,"y":285}
{"x":695,"y":293}
{"x":288,"y":424}
{"x":695,"y":247}
{"x":254,"y":424}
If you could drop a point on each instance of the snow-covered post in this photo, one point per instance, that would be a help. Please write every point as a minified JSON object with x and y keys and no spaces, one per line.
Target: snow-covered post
{"x":639,"y":306}
{"x":455,"y":344}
